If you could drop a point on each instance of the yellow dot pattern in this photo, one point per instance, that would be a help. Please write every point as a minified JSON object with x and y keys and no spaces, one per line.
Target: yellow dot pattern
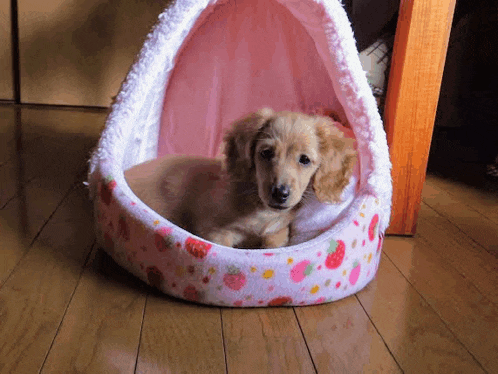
{"x":267,"y":274}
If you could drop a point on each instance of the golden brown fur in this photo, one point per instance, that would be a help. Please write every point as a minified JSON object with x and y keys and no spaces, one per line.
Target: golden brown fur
{"x":271,"y":160}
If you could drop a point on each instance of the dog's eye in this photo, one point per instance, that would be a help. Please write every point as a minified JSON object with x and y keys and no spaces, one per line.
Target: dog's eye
{"x":304,"y":160}
{"x":267,"y":154}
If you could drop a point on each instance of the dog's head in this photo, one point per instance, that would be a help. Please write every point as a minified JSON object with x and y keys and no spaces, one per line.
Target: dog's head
{"x":286,"y":152}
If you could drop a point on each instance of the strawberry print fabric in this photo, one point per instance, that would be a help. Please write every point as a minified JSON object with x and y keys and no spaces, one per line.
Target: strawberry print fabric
{"x":188,"y":267}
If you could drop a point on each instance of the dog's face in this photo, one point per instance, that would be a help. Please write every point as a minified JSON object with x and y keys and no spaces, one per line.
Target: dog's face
{"x":286,"y":156}
{"x":285,"y":151}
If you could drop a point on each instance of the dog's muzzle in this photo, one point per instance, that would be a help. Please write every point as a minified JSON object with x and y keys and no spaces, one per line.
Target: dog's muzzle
{"x":279,"y":196}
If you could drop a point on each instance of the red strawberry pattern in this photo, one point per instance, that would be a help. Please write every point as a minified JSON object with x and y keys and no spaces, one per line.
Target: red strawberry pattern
{"x":163,"y":239}
{"x":190,"y":293}
{"x":336,"y":253}
{"x":234,"y":279}
{"x":280,"y":301}
{"x":123,"y":229}
{"x":106,"y":188}
{"x":372,"y":229}
{"x":197,"y":248}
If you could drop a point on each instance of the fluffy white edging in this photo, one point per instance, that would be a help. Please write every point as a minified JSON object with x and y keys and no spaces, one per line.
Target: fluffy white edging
{"x":356,"y":96}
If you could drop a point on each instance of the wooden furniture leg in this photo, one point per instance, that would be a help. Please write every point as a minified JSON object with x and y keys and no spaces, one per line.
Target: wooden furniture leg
{"x":419,"y":54}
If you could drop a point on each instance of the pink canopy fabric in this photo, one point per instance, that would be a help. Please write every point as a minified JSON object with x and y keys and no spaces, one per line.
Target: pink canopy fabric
{"x":238,"y":58}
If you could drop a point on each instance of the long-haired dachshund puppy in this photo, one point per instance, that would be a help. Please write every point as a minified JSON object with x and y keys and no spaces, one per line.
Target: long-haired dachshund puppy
{"x":249,"y":199}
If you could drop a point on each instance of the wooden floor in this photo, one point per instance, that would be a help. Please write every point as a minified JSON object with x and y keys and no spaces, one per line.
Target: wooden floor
{"x":65,"y":307}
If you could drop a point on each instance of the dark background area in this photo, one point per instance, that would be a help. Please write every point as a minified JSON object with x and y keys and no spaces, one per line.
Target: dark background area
{"x":465,"y":136}
{"x":466,"y":130}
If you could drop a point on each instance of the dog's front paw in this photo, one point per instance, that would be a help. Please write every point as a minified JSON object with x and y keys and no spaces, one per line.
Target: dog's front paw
{"x":227,"y":238}
{"x":277,"y":239}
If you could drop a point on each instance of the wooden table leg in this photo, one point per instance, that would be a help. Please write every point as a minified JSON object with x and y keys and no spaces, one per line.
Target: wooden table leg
{"x":419,"y":54}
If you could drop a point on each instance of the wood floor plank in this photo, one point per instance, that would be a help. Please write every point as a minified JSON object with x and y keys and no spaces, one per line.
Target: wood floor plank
{"x":485,"y":202}
{"x":464,"y":254}
{"x":413,"y":332}
{"x":432,"y":306}
{"x":342,"y":339}
{"x":470,"y":315}
{"x":23,"y":217}
{"x":39,"y":171}
{"x":101,"y":329}
{"x":53,"y":170}
{"x":10,"y":183}
{"x":34,"y":298}
{"x":264,"y":341}
{"x":179,"y":337}
{"x":481,"y":229}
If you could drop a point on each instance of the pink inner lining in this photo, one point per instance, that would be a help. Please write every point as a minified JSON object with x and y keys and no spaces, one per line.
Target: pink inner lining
{"x":239,"y":57}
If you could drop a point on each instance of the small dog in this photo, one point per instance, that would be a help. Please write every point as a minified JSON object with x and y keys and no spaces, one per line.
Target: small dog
{"x":248,"y":200}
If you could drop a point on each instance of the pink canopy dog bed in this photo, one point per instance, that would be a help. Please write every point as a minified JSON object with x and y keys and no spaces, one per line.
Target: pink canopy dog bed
{"x":206,"y":64}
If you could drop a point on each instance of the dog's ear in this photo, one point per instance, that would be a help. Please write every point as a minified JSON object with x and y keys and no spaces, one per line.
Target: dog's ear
{"x":239,"y":140}
{"x":338,"y":158}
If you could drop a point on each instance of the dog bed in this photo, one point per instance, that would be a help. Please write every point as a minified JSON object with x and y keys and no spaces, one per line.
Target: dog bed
{"x":205,"y":64}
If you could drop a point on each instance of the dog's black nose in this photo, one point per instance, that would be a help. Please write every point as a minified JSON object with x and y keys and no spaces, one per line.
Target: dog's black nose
{"x":280,"y":193}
